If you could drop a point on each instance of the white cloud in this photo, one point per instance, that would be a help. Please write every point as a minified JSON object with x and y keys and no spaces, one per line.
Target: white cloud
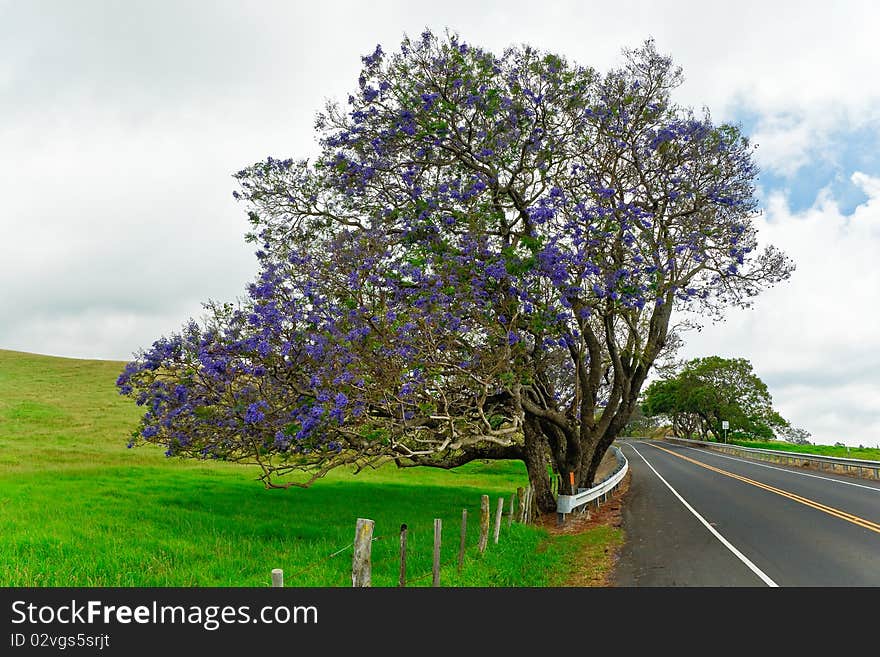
{"x":871,"y":187}
{"x":96,"y":332}
{"x":785,"y":144}
{"x":104,"y":216}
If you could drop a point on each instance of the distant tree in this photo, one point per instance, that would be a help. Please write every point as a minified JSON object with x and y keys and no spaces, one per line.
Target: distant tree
{"x":481,"y":263}
{"x":707,"y":391}
{"x":794,"y":435}
{"x":671,"y":398}
{"x":640,"y":424}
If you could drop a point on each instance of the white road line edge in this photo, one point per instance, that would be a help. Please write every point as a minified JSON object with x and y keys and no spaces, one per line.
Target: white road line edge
{"x":773,"y":467}
{"x":739,"y":555}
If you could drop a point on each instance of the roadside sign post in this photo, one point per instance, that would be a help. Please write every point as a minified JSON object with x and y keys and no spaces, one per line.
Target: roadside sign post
{"x":725,"y":425}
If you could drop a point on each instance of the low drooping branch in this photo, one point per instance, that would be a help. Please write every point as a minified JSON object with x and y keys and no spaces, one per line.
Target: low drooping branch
{"x":454,"y":460}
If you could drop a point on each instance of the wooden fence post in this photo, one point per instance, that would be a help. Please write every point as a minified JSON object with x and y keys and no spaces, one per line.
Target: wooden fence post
{"x":498,"y":513}
{"x":521,"y":501}
{"x":361,"y":570}
{"x":438,"y":528}
{"x":510,"y":513}
{"x":277,"y":577}
{"x":463,"y":541}
{"x":484,"y":522}
{"x":531,"y":504}
{"x":401,"y":581}
{"x":526,"y":505}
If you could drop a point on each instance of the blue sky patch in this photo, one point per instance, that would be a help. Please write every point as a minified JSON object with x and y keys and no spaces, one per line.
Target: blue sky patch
{"x":831,"y":165}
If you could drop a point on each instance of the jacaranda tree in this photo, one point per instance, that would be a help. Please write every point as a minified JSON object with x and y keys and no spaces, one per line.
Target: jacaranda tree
{"x":482,"y":263}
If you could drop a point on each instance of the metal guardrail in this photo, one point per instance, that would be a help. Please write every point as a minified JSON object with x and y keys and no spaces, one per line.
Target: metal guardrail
{"x":568,"y":503}
{"x":847,"y":465}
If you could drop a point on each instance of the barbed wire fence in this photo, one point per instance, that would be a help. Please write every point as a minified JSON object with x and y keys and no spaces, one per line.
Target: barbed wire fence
{"x":478,"y":529}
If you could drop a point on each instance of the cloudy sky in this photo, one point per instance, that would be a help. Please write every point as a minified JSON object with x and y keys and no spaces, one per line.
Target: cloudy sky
{"x":121,"y":124}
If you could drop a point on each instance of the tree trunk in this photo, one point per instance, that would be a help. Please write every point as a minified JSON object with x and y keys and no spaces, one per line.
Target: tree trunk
{"x":600,"y":444}
{"x":597,"y":453}
{"x":589,"y":451}
{"x":564,"y":456}
{"x":535,"y":457}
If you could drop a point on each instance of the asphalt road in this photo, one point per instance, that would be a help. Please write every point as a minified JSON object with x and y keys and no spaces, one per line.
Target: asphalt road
{"x":759,"y":524}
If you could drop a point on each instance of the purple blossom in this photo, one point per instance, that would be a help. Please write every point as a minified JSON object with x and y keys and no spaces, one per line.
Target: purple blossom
{"x":375,"y":58}
{"x":428,"y":100}
{"x":255,"y":413}
{"x":496,"y":270}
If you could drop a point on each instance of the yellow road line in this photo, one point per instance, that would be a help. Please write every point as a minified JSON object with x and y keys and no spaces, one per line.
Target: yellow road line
{"x":843,"y":515}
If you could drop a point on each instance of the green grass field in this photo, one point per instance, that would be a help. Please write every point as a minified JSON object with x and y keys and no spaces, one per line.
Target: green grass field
{"x":77,"y":508}
{"x":867,"y":453}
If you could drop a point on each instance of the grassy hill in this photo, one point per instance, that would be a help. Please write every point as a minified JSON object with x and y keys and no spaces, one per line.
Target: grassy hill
{"x":77,"y":508}
{"x":866,"y":453}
